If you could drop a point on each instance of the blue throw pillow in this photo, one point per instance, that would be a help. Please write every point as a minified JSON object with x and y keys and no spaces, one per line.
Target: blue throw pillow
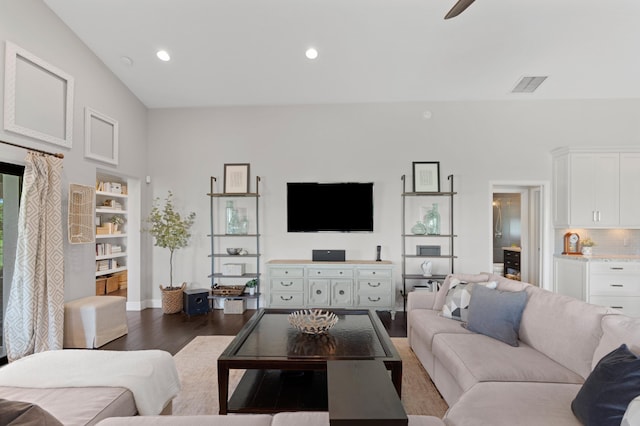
{"x":496,"y":313}
{"x":611,"y":386}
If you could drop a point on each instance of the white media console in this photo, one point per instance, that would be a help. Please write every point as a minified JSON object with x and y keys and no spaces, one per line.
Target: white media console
{"x":350,"y":284}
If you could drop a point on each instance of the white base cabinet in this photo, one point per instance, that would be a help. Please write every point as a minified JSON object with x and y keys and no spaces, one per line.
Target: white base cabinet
{"x":351,"y":284}
{"x":607,"y":283}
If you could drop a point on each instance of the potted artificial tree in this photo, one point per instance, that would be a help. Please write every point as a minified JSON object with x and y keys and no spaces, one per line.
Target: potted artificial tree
{"x":170,"y":231}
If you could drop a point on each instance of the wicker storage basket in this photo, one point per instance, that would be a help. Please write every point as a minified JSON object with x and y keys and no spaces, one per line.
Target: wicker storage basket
{"x":172,"y":299}
{"x":228,"y":290}
{"x":101,"y":286}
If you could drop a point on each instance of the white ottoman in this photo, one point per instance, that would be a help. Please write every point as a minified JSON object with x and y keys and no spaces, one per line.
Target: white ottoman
{"x":92,"y":321}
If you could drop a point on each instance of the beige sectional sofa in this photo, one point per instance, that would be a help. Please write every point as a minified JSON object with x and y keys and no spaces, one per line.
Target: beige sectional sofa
{"x":488,"y":382}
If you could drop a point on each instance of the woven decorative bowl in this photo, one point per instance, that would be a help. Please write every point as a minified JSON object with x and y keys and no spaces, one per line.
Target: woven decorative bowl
{"x":313,"y":321}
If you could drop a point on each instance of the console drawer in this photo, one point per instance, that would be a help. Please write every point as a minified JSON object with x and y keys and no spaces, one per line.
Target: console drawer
{"x":286,"y":300}
{"x":374,"y":273}
{"x":373,"y":300}
{"x":287,"y":284}
{"x":373,"y":286}
{"x":330,"y":272}
{"x":286,"y":272}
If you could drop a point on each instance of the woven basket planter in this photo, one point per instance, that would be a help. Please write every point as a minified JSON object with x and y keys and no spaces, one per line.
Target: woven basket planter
{"x":172,"y":299}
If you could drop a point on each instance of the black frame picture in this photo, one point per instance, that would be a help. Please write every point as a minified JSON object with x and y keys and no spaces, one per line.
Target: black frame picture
{"x":426,"y":176}
{"x":236,"y":178}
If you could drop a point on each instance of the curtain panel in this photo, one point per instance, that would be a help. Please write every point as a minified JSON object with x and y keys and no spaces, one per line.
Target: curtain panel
{"x":35,"y":311}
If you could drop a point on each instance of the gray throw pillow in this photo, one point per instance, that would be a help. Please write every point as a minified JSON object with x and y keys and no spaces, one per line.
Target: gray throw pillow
{"x":496,"y":313}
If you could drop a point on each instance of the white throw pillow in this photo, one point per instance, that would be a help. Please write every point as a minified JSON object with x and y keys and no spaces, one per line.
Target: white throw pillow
{"x":616,"y":330}
{"x":632,"y":415}
{"x":456,"y":305}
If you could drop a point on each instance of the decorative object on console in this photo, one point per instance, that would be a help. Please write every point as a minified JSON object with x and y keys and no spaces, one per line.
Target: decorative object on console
{"x":378,"y":253}
{"x":170,"y":231}
{"x":571,"y":243}
{"x":426,"y":176}
{"x":587,"y":246}
{"x":328,"y":255}
{"x":313,"y":321}
{"x":236,"y":178}
{"x":432,"y":220}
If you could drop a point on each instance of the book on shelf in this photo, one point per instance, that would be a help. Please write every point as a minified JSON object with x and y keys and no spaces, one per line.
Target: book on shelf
{"x":112,"y":187}
{"x":106,"y":264}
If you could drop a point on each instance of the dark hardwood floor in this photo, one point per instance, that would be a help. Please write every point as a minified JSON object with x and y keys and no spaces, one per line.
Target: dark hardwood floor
{"x":151,"y":329}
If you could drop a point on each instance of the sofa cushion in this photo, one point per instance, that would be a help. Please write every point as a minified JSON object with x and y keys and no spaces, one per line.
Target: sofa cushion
{"x":25,"y":413}
{"x":444,"y":288}
{"x":496,"y":313}
{"x":456,"y":304}
{"x":474,"y":358}
{"x":616,"y":330}
{"x":607,"y":392}
{"x":76,"y":406}
{"x":425,"y":324}
{"x":518,"y":403}
{"x":199,"y":420}
{"x":565,"y":329}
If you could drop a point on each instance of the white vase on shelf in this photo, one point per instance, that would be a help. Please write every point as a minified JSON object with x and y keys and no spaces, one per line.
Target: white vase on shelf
{"x":427,"y":267}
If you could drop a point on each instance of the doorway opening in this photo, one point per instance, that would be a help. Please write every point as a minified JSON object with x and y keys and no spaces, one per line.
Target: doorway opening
{"x":519,"y":221}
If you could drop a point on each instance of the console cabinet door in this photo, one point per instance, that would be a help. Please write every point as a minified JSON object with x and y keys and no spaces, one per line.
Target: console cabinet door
{"x":341,"y":293}
{"x":318,"y":293}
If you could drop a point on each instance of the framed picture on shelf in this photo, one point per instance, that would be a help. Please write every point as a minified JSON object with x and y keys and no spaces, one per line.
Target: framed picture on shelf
{"x":426,"y":176}
{"x":236,"y":178}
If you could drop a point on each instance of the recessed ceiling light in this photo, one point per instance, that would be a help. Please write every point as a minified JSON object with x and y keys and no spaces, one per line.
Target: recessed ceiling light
{"x":311,"y":53}
{"x":163,"y":55}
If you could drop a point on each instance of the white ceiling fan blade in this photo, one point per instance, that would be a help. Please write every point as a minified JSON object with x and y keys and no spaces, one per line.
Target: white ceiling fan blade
{"x":458,"y":8}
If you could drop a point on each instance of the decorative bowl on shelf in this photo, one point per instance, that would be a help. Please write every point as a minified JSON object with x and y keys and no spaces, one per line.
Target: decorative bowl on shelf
{"x":313,"y":321}
{"x":234,"y":251}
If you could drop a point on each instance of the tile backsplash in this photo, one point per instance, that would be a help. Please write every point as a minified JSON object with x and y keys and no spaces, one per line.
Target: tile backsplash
{"x":608,"y":241}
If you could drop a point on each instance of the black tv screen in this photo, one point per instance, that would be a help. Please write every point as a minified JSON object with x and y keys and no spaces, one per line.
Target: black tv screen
{"x":337,"y":207}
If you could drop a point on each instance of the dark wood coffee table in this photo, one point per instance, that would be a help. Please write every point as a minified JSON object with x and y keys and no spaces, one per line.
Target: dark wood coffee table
{"x":286,"y":370}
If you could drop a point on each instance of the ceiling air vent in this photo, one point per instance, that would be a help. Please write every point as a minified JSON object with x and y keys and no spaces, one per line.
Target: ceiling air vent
{"x":528,"y":84}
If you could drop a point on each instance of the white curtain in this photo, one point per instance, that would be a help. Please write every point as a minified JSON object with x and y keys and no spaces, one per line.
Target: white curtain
{"x":35,"y":312}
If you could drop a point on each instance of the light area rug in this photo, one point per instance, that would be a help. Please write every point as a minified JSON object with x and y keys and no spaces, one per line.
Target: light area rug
{"x":197,"y":368}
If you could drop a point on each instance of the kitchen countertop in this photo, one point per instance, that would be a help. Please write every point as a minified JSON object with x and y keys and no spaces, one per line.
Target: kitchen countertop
{"x":602,"y":257}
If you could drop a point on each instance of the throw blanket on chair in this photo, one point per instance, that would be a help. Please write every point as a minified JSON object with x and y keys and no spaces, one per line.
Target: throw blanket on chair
{"x":150,"y":375}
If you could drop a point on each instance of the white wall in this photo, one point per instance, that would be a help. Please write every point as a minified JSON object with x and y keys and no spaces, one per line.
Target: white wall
{"x":32,"y":26}
{"x":478,"y":142}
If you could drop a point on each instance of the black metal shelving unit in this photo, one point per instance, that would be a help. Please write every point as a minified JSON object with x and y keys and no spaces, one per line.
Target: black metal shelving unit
{"x":449,"y":236}
{"x":214,"y":208}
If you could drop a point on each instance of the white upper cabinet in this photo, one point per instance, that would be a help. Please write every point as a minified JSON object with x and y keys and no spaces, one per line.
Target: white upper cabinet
{"x":630,"y":190}
{"x":594,"y":190}
{"x":597,"y":189}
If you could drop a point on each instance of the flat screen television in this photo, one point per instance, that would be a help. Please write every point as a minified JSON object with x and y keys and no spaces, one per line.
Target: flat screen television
{"x":330,"y":207}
